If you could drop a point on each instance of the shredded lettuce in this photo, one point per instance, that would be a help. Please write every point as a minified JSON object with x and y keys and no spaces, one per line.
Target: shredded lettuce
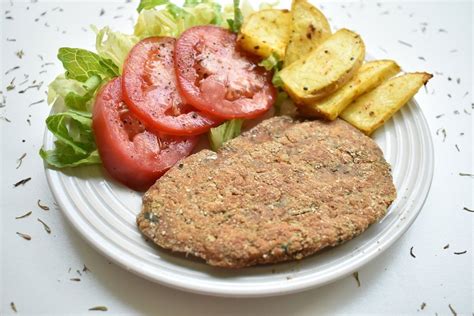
{"x":224,"y":132}
{"x":114,"y":45}
{"x":81,"y":102}
{"x":149,"y":4}
{"x":74,"y":93}
{"x":271,"y":62}
{"x":173,"y":20}
{"x":236,"y":23}
{"x":61,"y":86}
{"x":274,"y":63}
{"x":75,"y":143}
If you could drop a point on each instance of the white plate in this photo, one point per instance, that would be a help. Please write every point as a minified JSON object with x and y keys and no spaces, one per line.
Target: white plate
{"x":104,"y":211}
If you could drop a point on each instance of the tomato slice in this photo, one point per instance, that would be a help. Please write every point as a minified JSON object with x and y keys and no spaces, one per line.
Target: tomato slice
{"x":216,"y":77}
{"x":130,"y":153}
{"x":149,"y":90}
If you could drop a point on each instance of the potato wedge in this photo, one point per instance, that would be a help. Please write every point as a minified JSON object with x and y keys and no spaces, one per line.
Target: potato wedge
{"x":265,"y":32}
{"x":325,"y":69}
{"x":374,"y":108}
{"x":309,"y":28}
{"x":369,"y":76}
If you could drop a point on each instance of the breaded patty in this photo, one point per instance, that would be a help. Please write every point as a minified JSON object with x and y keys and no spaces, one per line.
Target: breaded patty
{"x":281,"y":191}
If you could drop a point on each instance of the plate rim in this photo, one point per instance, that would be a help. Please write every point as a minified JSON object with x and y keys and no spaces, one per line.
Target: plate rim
{"x":283,"y":288}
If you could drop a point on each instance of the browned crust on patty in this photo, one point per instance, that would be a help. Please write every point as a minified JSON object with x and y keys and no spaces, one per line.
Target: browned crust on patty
{"x":281,"y":191}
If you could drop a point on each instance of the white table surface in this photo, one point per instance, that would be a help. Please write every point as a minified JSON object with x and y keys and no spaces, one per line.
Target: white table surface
{"x":36,"y":274}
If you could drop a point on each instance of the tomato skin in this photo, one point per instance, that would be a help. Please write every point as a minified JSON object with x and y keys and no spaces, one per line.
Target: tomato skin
{"x":216,"y":77}
{"x":149,"y":90}
{"x":131,"y":154}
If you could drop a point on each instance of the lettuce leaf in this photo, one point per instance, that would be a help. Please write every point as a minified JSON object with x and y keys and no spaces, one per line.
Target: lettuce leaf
{"x":61,"y":86}
{"x":62,"y":156}
{"x":81,"y":102}
{"x":274,"y":63}
{"x":271,"y":62}
{"x":74,"y":94}
{"x":114,"y":45}
{"x":81,"y":64}
{"x":85,"y":72}
{"x":173,"y":20}
{"x":236,"y":23}
{"x":75,"y":143}
{"x":224,"y":132}
{"x":149,"y":4}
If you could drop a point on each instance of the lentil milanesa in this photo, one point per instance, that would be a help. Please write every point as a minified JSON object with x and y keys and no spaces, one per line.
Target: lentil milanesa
{"x":281,"y":191}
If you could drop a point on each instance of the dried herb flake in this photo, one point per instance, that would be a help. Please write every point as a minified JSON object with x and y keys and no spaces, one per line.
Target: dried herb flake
{"x":20,"y":161}
{"x":460,"y":252}
{"x":22,"y":182}
{"x":99,"y":308}
{"x":37,"y":102}
{"x":24,"y":236}
{"x":24,"y":215}
{"x":446,"y":247}
{"x":462,"y":174}
{"x":356,"y":277}
{"x":47,"y":64}
{"x":45,"y":226}
{"x":13,"y":307}
{"x":405,"y":43}
{"x":443,"y":132}
{"x":411,"y":253}
{"x":41,"y":206}
{"x":20,"y":53}
{"x":75,"y":279}
{"x":468,"y":209}
{"x":423,"y":305}
{"x":37,"y":86}
{"x":12,"y":69}
{"x":452,"y":310}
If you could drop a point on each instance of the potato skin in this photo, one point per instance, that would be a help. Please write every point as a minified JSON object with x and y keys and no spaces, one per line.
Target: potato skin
{"x":373,"y":109}
{"x":369,"y":76}
{"x":325,"y":69}
{"x":265,"y":32}
{"x":309,"y":28}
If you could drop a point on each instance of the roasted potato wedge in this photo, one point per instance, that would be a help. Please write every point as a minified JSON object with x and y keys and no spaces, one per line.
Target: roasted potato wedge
{"x":309,"y":27}
{"x":265,"y":32}
{"x":369,"y":76}
{"x":374,"y":108}
{"x":325,"y":69}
